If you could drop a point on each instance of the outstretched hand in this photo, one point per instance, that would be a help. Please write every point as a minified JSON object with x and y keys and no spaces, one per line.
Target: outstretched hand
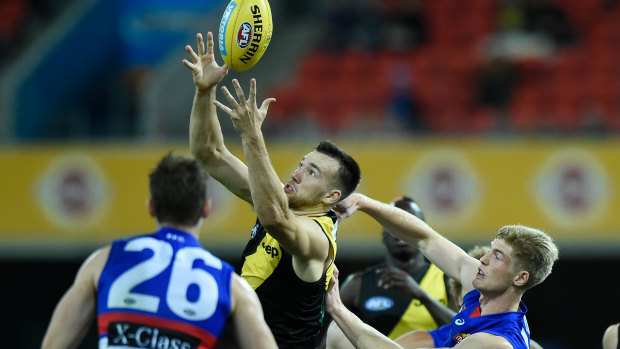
{"x":332,"y":299}
{"x":245,"y":114}
{"x":348,"y":206}
{"x":207,"y":73}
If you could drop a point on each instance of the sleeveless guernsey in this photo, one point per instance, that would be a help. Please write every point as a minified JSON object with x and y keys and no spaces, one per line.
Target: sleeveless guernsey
{"x":293,"y":308}
{"x":393,"y":313}
{"x":510,"y":325}
{"x":162,"y":290}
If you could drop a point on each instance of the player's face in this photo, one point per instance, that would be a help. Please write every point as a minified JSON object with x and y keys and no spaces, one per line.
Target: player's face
{"x":496,"y":272}
{"x":311,"y":181}
{"x":398,"y":248}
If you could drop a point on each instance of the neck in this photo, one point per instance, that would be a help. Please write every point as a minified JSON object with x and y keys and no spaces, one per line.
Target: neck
{"x":311,"y":211}
{"x":500,"y":303}
{"x":192,"y":230}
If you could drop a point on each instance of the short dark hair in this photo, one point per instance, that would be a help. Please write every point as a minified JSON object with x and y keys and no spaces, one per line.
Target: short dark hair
{"x":408,"y":204}
{"x":349,"y":173}
{"x":178,"y":188}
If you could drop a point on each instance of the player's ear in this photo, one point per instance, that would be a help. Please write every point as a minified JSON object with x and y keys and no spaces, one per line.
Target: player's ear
{"x":333,"y":196}
{"x":150,"y":207}
{"x":521,"y":278}
{"x":207,"y":209}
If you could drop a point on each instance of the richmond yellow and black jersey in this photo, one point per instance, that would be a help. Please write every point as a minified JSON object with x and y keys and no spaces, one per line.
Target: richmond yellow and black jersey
{"x":390,"y":311}
{"x":293,"y":308}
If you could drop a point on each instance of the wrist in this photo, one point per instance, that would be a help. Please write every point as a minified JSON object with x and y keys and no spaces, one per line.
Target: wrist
{"x":254,"y":140}
{"x":365,"y":204}
{"x":205,"y":91}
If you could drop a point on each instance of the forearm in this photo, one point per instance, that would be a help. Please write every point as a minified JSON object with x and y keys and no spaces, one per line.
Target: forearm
{"x":270,"y":202}
{"x":361,"y":335}
{"x":398,"y":222}
{"x":205,"y":137}
{"x":439,"y":250}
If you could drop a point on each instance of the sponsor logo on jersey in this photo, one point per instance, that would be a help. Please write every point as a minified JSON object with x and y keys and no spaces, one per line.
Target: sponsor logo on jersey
{"x":244,"y":35}
{"x":273,"y":251}
{"x":132,"y":335}
{"x":459,"y":322}
{"x":254,"y":230}
{"x":378,"y":303}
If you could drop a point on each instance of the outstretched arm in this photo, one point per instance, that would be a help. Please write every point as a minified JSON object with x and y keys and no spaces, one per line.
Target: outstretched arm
{"x":349,"y":294}
{"x":450,"y":258}
{"x":299,"y":235}
{"x":251,"y":330}
{"x":75,"y":312}
{"x":361,"y":335}
{"x":206,"y":140}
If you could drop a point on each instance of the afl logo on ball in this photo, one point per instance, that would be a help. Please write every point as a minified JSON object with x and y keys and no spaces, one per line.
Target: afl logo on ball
{"x":244,"y":35}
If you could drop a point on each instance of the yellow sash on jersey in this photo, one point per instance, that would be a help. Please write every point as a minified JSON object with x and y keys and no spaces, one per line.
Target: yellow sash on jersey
{"x":261,"y":264}
{"x":417,"y":317}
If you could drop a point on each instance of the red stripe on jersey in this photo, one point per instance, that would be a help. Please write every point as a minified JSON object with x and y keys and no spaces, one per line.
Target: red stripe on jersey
{"x":476,"y":312}
{"x":207,"y":340}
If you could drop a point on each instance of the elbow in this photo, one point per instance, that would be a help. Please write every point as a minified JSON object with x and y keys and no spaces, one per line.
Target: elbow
{"x":272,"y":219}
{"x":207,"y":155}
{"x":203,"y":151}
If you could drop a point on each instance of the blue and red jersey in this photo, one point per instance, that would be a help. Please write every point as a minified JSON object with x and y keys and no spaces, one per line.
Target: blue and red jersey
{"x":510,"y":325}
{"x":162,"y":290}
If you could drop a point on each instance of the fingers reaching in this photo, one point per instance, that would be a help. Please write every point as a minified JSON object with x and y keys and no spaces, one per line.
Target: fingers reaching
{"x":239,"y":91}
{"x":191,"y":66}
{"x":224,"y":108}
{"x":252,"y":99}
{"x":201,"y":44}
{"x":231,"y":99}
{"x":209,"y":43}
{"x":266,"y":103}
{"x":192,"y":54}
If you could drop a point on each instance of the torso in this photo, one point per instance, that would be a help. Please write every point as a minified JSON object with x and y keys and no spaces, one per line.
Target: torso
{"x":512,"y":326}
{"x":293,"y":308}
{"x":162,"y":290}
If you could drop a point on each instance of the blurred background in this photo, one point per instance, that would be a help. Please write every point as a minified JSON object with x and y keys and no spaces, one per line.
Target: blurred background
{"x":486,"y":112}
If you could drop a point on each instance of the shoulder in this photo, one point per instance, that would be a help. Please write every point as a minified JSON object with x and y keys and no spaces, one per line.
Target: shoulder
{"x":93,"y":265}
{"x":610,"y":337}
{"x":242,"y":293}
{"x":327,"y":222}
{"x":486,"y":340}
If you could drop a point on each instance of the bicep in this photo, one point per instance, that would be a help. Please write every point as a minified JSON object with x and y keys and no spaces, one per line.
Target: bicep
{"x":416,"y":339}
{"x":247,"y":315}
{"x":301,"y":236}
{"x":484,"y":340}
{"x":75,"y":312}
{"x":72,"y":318}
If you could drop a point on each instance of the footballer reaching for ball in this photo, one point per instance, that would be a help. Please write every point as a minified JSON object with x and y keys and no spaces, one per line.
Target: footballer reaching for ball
{"x":289,"y":258}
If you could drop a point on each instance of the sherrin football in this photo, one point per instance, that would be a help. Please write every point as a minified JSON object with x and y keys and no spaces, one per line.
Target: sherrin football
{"x":245,"y":33}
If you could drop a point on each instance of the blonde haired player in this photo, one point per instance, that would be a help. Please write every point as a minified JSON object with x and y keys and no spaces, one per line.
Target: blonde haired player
{"x":492,"y":315}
